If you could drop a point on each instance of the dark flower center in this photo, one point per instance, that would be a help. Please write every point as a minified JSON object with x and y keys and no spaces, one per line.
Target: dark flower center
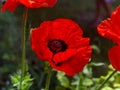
{"x":57,"y":46}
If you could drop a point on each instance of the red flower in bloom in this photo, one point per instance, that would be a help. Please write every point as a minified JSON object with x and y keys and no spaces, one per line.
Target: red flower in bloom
{"x":110,"y":28}
{"x":60,"y":42}
{"x":12,"y":4}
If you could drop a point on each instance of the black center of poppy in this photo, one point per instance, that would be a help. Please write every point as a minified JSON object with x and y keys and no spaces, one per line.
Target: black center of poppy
{"x":57,"y":46}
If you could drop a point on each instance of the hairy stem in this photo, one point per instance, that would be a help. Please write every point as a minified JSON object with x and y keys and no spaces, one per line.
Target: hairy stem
{"x":48,"y":79}
{"x":23,"y":58}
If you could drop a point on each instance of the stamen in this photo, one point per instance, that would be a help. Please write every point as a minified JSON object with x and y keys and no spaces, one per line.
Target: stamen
{"x":56,"y":46}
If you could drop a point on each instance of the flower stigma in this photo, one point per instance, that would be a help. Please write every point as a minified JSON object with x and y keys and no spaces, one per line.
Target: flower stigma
{"x":57,"y":45}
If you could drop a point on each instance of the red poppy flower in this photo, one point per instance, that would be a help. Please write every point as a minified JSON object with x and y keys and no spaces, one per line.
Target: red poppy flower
{"x":12,"y":4}
{"x":60,"y":42}
{"x":110,"y":28}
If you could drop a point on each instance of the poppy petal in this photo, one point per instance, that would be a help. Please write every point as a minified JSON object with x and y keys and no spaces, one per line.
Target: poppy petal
{"x":110,"y":27}
{"x":115,"y":17}
{"x":66,"y":30}
{"x":46,"y":3}
{"x":114,"y":56}
{"x":10,"y":5}
{"x":39,"y":42}
{"x":63,"y":56}
{"x":76,"y":63}
{"x":70,"y":52}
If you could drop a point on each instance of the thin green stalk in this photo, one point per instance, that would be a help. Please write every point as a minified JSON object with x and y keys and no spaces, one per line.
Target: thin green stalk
{"x":48,"y":79}
{"x":23,"y":46}
{"x":99,"y":88}
{"x":80,"y":81}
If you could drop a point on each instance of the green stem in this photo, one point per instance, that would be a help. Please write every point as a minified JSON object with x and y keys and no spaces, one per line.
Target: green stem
{"x":23,"y":47}
{"x":99,"y":88}
{"x":80,"y":81}
{"x":48,"y":79}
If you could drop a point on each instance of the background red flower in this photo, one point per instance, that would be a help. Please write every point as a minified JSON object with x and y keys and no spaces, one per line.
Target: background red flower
{"x":60,"y":42}
{"x":12,"y":4}
{"x":110,"y":28}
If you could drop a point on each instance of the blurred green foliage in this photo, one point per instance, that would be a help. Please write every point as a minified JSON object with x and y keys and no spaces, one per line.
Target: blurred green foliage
{"x":86,"y":81}
{"x":81,"y":11}
{"x":9,"y":46}
{"x":26,"y":83}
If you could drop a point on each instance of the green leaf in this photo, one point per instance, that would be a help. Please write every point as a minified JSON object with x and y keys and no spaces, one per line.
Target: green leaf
{"x":96,"y":48}
{"x":117,"y":85}
{"x":87,"y":82}
{"x":107,"y":88}
{"x":63,"y":79}
{"x":26,"y":83}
